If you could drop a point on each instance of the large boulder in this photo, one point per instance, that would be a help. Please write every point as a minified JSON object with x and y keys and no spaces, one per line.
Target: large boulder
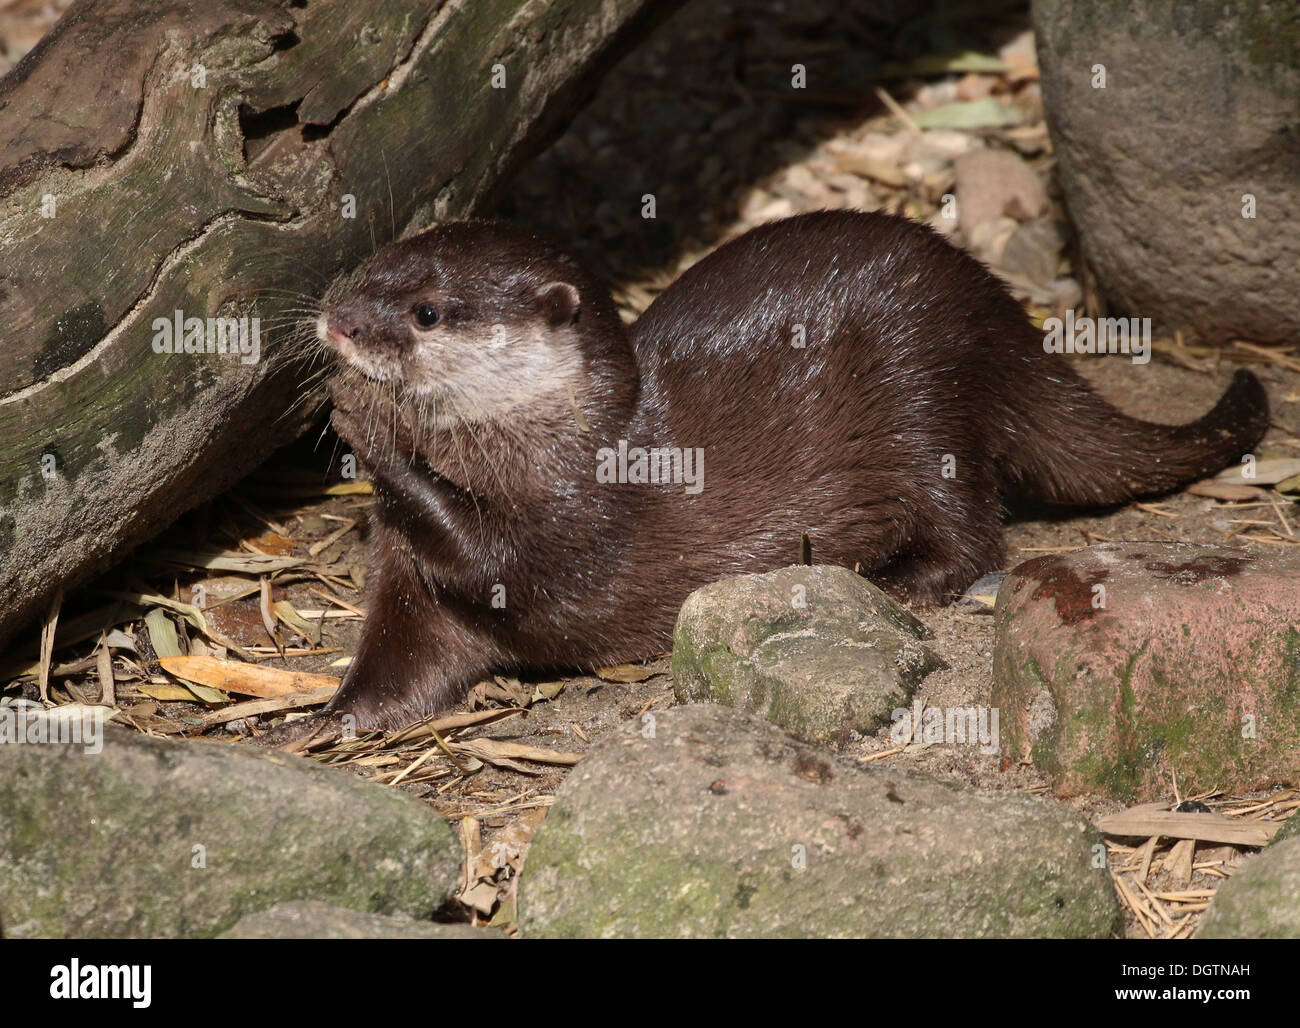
{"x":1260,"y":901}
{"x":311,"y":919}
{"x":154,"y":838}
{"x":700,"y":822}
{"x":1198,"y":114}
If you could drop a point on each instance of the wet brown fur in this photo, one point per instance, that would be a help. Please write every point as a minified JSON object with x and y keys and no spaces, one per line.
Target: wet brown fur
{"x":914,"y":351}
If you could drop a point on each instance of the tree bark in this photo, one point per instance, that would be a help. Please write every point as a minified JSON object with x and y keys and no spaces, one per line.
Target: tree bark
{"x":199,"y":157}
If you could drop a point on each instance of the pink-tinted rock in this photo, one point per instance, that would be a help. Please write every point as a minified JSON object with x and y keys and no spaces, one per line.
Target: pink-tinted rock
{"x":993,"y":183}
{"x":1118,"y":665}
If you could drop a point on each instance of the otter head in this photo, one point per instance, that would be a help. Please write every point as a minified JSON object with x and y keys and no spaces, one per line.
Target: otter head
{"x":475,"y":321}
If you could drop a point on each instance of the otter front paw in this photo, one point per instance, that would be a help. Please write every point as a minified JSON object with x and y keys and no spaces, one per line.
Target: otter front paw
{"x":375,"y":430}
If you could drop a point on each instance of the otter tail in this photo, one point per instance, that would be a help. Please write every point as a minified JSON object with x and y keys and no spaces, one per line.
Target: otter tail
{"x":1092,"y":455}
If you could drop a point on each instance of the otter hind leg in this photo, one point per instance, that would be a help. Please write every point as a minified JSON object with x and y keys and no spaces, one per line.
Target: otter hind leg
{"x":939,"y":563}
{"x":924,"y":580}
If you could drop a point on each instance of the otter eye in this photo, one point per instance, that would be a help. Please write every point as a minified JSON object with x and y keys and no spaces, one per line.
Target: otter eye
{"x":426,"y":315}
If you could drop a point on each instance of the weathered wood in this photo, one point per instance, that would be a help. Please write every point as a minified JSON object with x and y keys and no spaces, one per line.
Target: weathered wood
{"x":197,"y":157}
{"x":1151,"y":819}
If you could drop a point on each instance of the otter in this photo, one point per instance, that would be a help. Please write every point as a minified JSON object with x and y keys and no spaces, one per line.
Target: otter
{"x":550,"y":484}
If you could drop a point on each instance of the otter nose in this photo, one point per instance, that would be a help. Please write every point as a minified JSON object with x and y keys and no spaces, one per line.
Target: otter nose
{"x":342,"y":327}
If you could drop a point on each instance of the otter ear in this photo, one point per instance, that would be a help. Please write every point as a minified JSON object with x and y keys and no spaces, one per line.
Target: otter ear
{"x":559,"y":303}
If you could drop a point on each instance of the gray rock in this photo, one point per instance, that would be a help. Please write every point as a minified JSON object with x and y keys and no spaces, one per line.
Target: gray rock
{"x":815,"y":650}
{"x":106,"y":845}
{"x":1260,"y":901}
{"x":309,"y":919}
{"x":1034,"y":250}
{"x":1157,"y":192}
{"x":721,"y":825}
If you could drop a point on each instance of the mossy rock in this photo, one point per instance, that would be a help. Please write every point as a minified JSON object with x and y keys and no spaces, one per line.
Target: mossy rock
{"x":161,"y":839}
{"x":701,"y":822}
{"x":815,"y":650}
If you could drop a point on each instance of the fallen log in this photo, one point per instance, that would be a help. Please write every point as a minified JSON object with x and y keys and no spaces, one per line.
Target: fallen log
{"x":177,"y":178}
